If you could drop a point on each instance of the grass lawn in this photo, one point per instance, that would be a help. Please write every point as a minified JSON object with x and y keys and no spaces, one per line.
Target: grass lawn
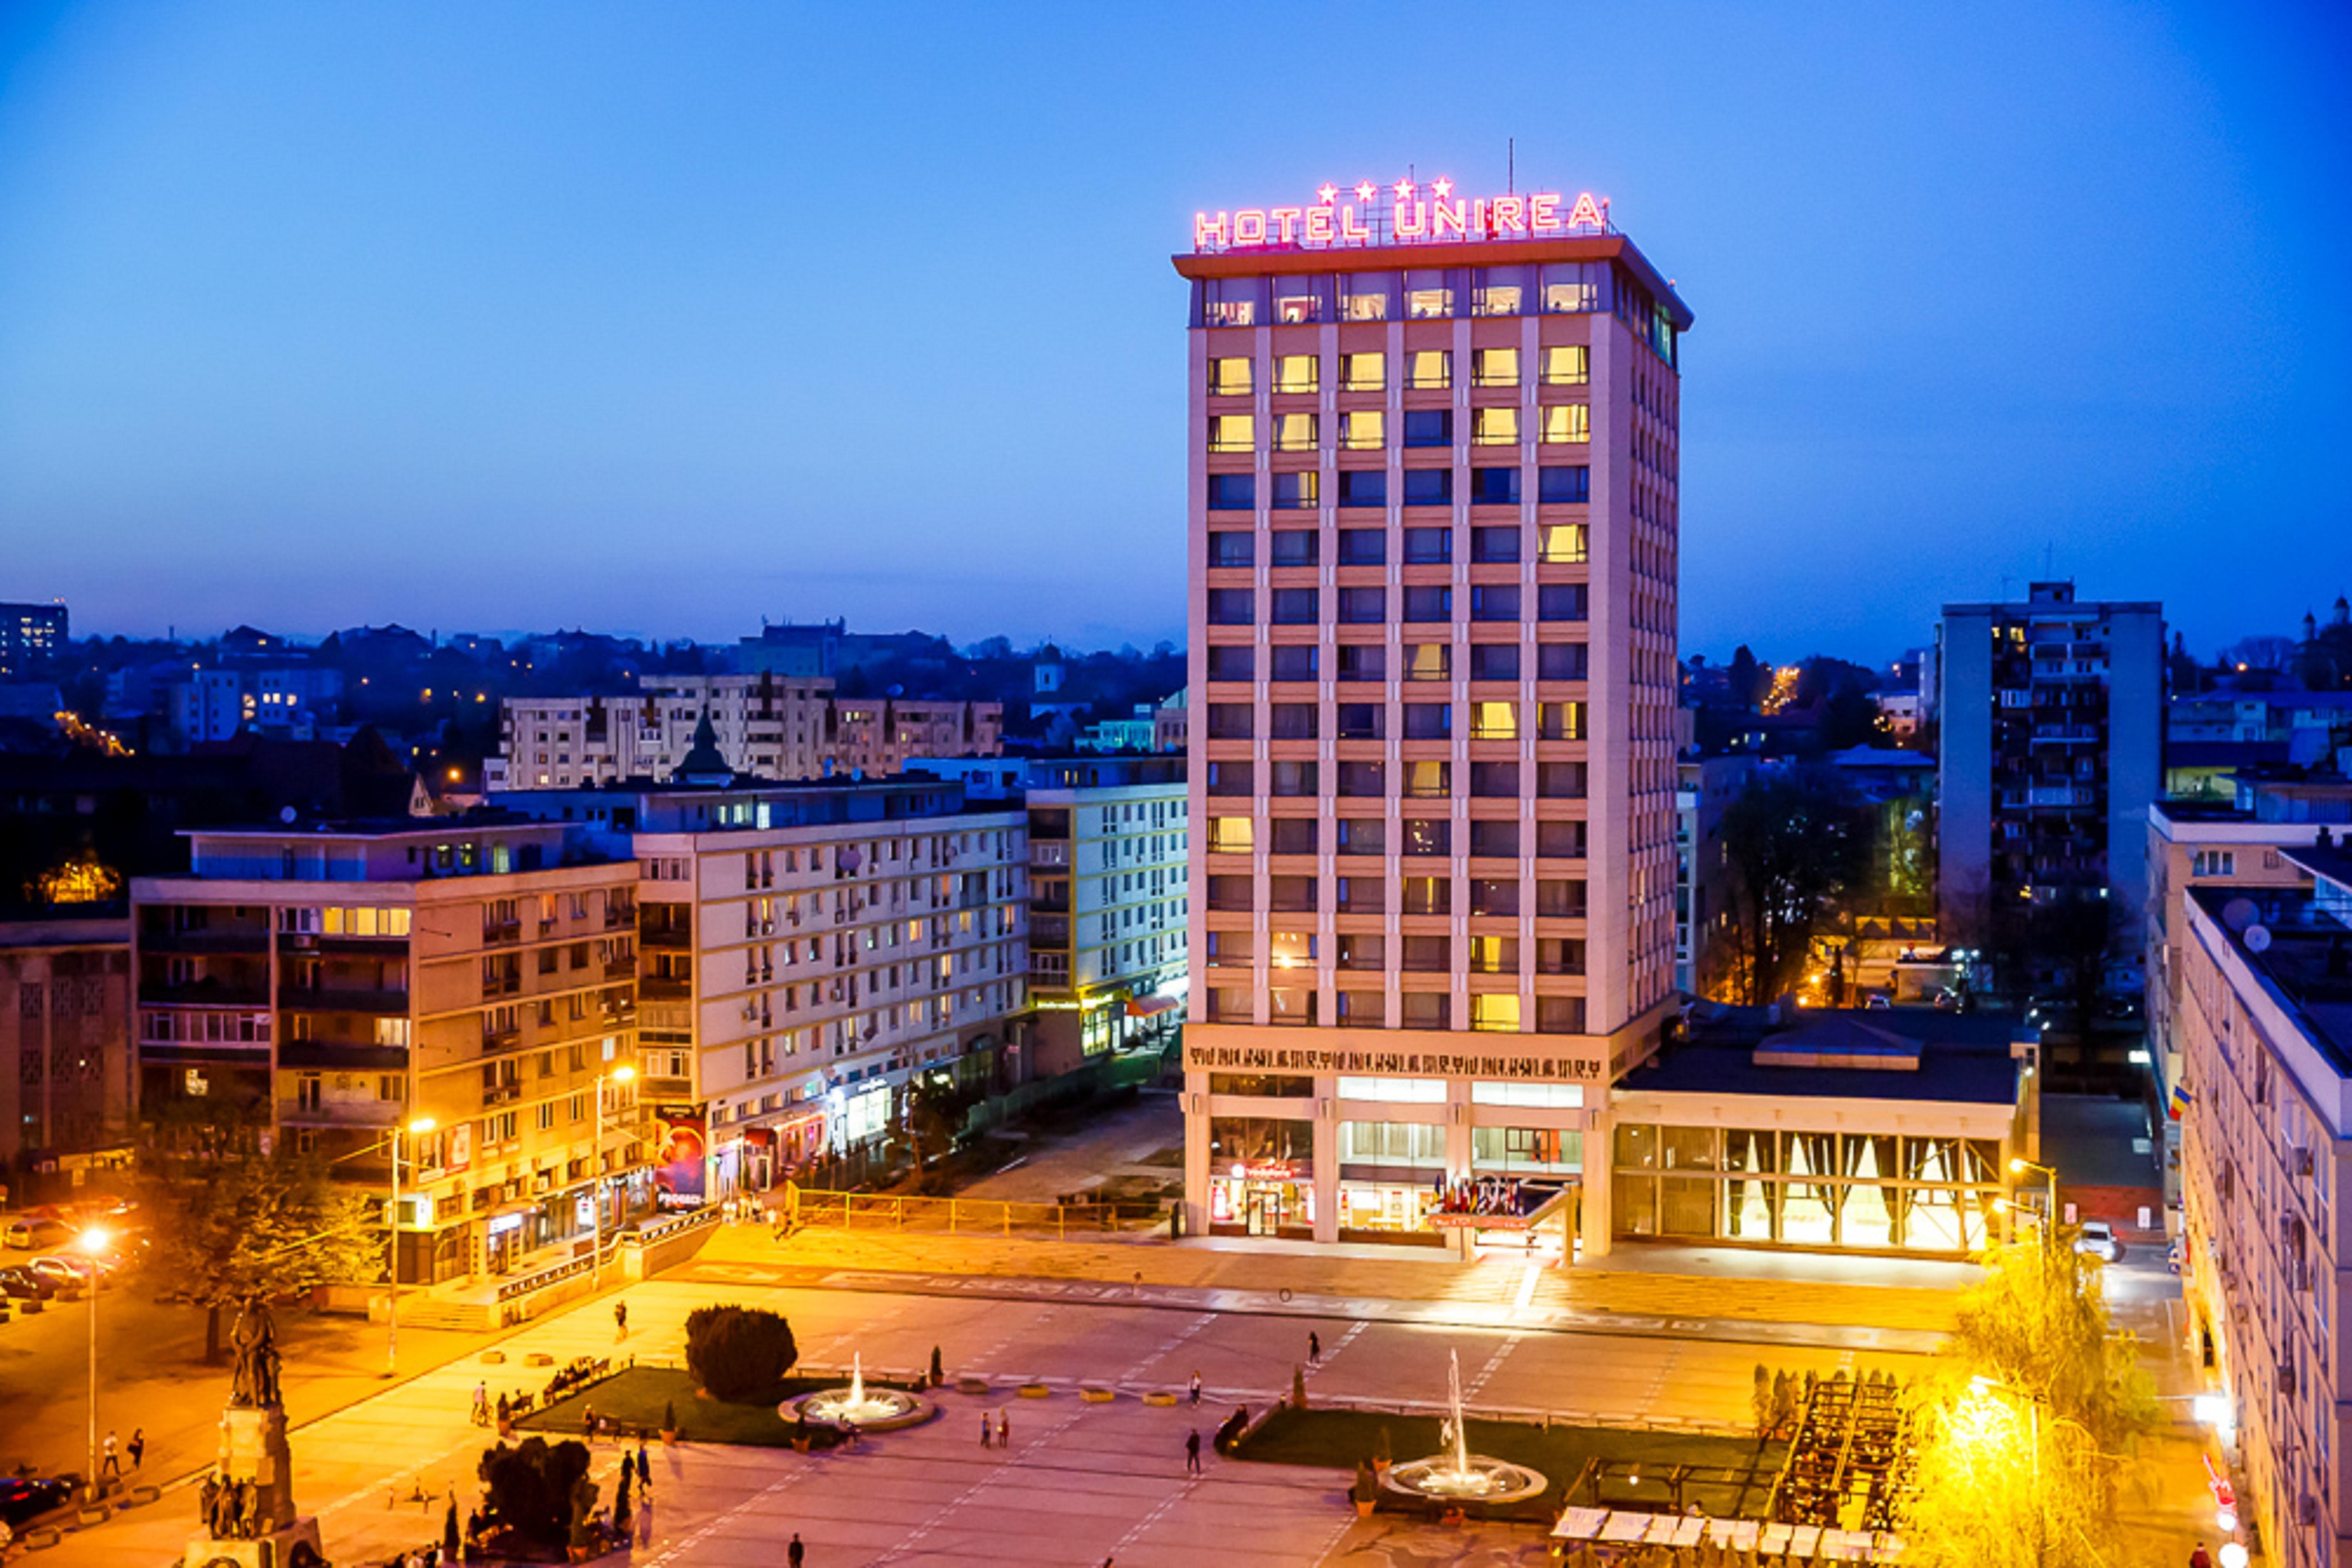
{"x":1337,"y":1439}
{"x":636,"y":1397}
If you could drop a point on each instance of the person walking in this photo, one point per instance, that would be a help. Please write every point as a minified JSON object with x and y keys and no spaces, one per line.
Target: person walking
{"x":620,"y":1319}
{"x":1314,"y":1348}
{"x":1192,"y":1452}
{"x":2200,"y":1558}
{"x":111,"y":1465}
{"x":481,"y":1404}
{"x":1196,"y":1386}
{"x":138,"y":1445}
{"x":588,"y":1421}
{"x":645,"y":1469}
{"x":795,"y":1554}
{"x":1003,"y":1430}
{"x":987,"y":1430}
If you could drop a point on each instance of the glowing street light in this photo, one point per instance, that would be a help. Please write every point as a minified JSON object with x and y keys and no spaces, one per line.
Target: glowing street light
{"x":91,"y":1243}
{"x":415,"y":1129}
{"x":2019,"y":1166}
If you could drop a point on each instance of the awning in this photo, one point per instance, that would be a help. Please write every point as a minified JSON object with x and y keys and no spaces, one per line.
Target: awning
{"x":1149,"y":1006}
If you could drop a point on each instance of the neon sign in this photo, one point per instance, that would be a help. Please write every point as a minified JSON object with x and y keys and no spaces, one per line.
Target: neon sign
{"x":1402,"y":214}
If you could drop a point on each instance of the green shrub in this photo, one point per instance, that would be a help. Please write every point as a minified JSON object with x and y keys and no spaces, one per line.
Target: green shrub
{"x":531,"y":1487}
{"x":740,"y":1354}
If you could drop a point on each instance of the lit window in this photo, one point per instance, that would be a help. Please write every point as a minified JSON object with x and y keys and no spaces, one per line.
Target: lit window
{"x":1362,"y":429}
{"x":1427,"y":367}
{"x":1229,"y":378}
{"x":1363,"y":372}
{"x":1569,"y":365}
{"x":1293,"y":431}
{"x":1230,"y":835}
{"x":1566,"y":422}
{"x":1296,"y":372}
{"x":1495,"y":1012}
{"x":1495,"y":368}
{"x":1495,"y":426}
{"x":1232,"y":432}
{"x":1426,"y":295}
{"x":1564,"y":542}
{"x":1493,"y":721}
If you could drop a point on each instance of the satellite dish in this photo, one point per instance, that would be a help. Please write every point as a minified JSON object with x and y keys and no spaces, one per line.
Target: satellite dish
{"x":286,"y":815}
{"x":2239,"y":914}
{"x":2258,"y":938}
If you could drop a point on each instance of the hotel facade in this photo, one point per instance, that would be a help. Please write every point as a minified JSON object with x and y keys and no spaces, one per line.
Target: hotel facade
{"x":1433,"y":456}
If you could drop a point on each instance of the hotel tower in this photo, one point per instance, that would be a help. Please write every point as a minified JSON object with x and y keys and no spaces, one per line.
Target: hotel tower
{"x":1432,"y":509}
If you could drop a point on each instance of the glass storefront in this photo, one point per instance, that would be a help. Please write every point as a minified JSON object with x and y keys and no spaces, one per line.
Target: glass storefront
{"x":1263,"y":1180}
{"x":1851,"y":1191}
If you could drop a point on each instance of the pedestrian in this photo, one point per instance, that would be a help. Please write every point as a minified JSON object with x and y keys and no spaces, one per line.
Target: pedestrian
{"x":645,"y":1469}
{"x":588,"y":1421}
{"x":987,"y":1430}
{"x":1192,"y":1452}
{"x":621,"y":1320}
{"x":1314,"y":1347}
{"x":1196,"y":1386}
{"x":138,"y":1447}
{"x":481,"y":1404}
{"x":795,"y":1554}
{"x":1004,"y":1430}
{"x":2200,"y":1558}
{"x":112,"y":1464}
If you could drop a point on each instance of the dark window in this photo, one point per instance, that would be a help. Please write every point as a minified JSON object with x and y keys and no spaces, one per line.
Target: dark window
{"x":1359,"y":662}
{"x":1428,"y":896}
{"x":1362,"y":721}
{"x":1559,"y":1015}
{"x":1363,"y":606}
{"x":1494,"y":661}
{"x":1560,"y":898}
{"x":1294,"y":547}
{"x":1427,"y":836}
{"x":1566,"y":485}
{"x":1229,"y":663}
{"x":1495,"y":840}
{"x":1560,"y":780}
{"x":1495,"y":780}
{"x":1427,"y":1009}
{"x":1229,"y":892}
{"x":1560,"y":841}
{"x":1427,"y":955}
{"x":1229,"y":721}
{"x":1428,"y":547}
{"x":1425,"y":602}
{"x":1558,"y":955}
{"x":1231,"y":777}
{"x":1428,"y":721}
{"x":1363,"y":546}
{"x":1364,"y":487}
{"x":1494,"y":486}
{"x":1294,"y":491}
{"x":1494,"y":545}
{"x":1232,"y":550}
{"x":1362,"y":1010}
{"x":1231,"y":607}
{"x":1294,"y":777}
{"x":1232,"y":492}
{"x":1291,"y":836}
{"x":1561,"y":602}
{"x":1296,"y":606}
{"x":1493,"y":895}
{"x":1363,"y":780}
{"x":1428,"y":427}
{"x":1362,"y":836}
{"x":1361,"y":895}
{"x":1429,"y":486}
{"x":1292,"y":893}
{"x":1292,"y":721}
{"x":1560,"y":662}
{"x":1291,"y":661}
{"x":1494,"y":602}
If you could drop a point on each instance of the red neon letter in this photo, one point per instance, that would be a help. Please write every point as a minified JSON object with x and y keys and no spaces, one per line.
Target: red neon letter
{"x":1543,"y":211}
{"x":1411,"y":219}
{"x":1510,"y":215}
{"x":1444,"y":215}
{"x":1285,"y":220}
{"x":1249,"y":226}
{"x":1207,"y":233}
{"x":1351,"y":227}
{"x":1318,"y":225}
{"x":1586,"y":214}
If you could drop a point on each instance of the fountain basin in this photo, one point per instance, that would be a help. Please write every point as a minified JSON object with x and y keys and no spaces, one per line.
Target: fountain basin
{"x":1473,"y":1477}
{"x":867,"y":1409}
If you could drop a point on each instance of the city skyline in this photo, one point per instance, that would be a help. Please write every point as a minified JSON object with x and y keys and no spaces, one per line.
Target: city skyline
{"x":470,"y":320}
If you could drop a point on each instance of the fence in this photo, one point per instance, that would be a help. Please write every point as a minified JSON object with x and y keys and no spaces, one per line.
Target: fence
{"x":815,"y":1208}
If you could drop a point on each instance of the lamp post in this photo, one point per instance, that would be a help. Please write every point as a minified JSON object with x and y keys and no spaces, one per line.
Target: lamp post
{"x":2019,"y":1166}
{"x":417,"y":1128}
{"x":622,"y":1074}
{"x":90,"y":1243}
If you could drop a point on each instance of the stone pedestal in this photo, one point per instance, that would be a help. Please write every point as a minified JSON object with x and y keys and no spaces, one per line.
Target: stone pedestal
{"x":253,"y":1450}
{"x":297,"y":1546}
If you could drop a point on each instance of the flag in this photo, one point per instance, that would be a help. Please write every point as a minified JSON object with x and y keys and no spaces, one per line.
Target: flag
{"x":2178,"y":1102}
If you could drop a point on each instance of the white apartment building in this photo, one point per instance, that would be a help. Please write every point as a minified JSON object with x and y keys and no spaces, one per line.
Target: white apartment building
{"x":293,"y":701}
{"x":767,"y":726}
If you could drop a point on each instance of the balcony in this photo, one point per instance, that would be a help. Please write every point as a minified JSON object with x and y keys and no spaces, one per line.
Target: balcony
{"x":1056,"y":856}
{"x":621,"y":968}
{"x":207,"y":993}
{"x":664,"y":988}
{"x":665,"y":1088}
{"x":501,"y":1094}
{"x":255,"y":941}
{"x":382,"y":1115}
{"x":496,"y":931}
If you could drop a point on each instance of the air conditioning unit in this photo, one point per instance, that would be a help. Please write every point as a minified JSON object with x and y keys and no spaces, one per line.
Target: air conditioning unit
{"x":2306,"y":1509}
{"x":2286,"y":1377}
{"x":2303,"y":1162}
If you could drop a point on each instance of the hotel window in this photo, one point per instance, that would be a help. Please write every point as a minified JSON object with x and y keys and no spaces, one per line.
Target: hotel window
{"x":1296,"y":432}
{"x":1291,"y":950}
{"x":1231,"y":949}
{"x":1230,"y":550}
{"x":1494,"y":602}
{"x":1494,"y":426}
{"x":1572,"y":287}
{"x":1300,"y":301}
{"x":1428,"y":721}
{"x":1494,"y":661}
{"x":1362,"y":430}
{"x":1367,"y":296}
{"x":1231,"y":607}
{"x":1296,"y":547}
{"x":1361,"y":895}
{"x":1559,"y":782}
{"x":1361,"y":836}
{"x":1292,"y":663}
{"x":1428,"y":487}
{"x":1565,"y":543}
{"x":1427,"y":896}
{"x":1296,"y":372}
{"x":1428,"y":547}
{"x":1360,"y":547}
{"x":1428,"y":601}
{"x":1230,"y":721}
{"x":1428,"y":295}
{"x":1291,"y":836}
{"x":1297,"y":492}
{"x":1231,"y":301}
{"x":1428,"y":427}
{"x":1495,"y":368}
{"x":1293,"y":721}
{"x":1493,"y":721}
{"x":1427,"y":370}
{"x":1499,"y":1013}
{"x":1231,"y":835}
{"x":1227,"y":663}
{"x":1362,"y":607}
{"x":1567,"y":365}
{"x":1497,"y":488}
{"x":1428,"y":1010}
{"x":1496,"y":546}
{"x":1297,"y":607}
{"x":1233,"y":433}
{"x":1362,"y":1009}
{"x":1363,"y":780}
{"x":1495,"y":840}
{"x":1566,"y":422}
{"x":1559,"y":721}
{"x":1493,"y":954}
{"x":1561,"y":602}
{"x":1428,"y":661}
{"x":1229,"y":378}
{"x":1363,"y":372}
{"x":1362,"y":721}
{"x":1233,"y":493}
{"x":1293,"y":779}
{"x":1359,"y":662}
{"x":1562,"y":842}
{"x":1427,"y":780}
{"x":1500,"y":291}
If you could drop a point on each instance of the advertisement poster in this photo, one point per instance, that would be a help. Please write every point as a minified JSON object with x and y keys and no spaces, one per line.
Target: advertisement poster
{"x":677,"y":1167}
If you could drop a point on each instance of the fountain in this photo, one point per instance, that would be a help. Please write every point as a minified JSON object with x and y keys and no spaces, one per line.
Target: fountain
{"x":868,"y":1410}
{"x":1461,"y":1476}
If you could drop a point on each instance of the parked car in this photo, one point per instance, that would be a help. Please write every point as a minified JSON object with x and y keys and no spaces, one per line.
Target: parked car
{"x":2098,"y":1238}
{"x":24,"y":1285}
{"x":34,"y":1233}
{"x":67,"y":1270}
{"x":24,"y":1498}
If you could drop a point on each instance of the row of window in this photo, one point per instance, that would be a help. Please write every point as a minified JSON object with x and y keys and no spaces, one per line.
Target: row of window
{"x":1421,"y":721}
{"x":1553,"y":898}
{"x":1369,"y":836}
{"x":1417,"y":602}
{"x":1415,"y":779}
{"x":1416,"y":1009}
{"x":1555,"y":544}
{"x":1564,"y":484}
{"x":1425,"y":369}
{"x":1556,"y":288}
{"x":1417,"y":662}
{"x":1366,"y":429}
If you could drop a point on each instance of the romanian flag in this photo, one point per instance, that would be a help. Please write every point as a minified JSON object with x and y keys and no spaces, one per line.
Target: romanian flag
{"x":2179,"y":1100}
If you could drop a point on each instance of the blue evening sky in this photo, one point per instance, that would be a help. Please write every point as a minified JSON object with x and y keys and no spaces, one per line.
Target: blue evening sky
{"x":663,"y":317}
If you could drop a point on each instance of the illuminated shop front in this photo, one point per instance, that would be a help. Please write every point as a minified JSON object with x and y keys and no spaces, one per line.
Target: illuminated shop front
{"x":1264,"y":1183}
{"x":1871,"y":1192}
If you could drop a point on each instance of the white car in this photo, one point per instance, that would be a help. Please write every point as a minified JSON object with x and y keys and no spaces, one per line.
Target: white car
{"x":2098,"y":1238}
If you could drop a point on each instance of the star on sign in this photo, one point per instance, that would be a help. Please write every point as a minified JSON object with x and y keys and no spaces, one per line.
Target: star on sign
{"x":1443,"y":188}
{"x":1365,"y":192}
{"x":1328,"y":193}
{"x":1404,"y":190}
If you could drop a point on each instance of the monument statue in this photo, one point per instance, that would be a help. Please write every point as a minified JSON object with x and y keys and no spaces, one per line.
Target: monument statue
{"x":247,"y":1504}
{"x":253,"y":1383}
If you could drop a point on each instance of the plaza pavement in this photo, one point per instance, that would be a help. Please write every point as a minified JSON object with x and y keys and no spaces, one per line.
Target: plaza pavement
{"x":1082,"y":1480}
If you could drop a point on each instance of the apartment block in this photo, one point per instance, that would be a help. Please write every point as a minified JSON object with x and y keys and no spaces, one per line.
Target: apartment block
{"x":29,"y":632}
{"x":2052,"y":715}
{"x":318,"y":987}
{"x":2264,"y":1034}
{"x":65,"y":1051}
{"x":767,"y":725}
{"x":293,"y":700}
{"x":1703,"y":910}
{"x":1433,"y":498}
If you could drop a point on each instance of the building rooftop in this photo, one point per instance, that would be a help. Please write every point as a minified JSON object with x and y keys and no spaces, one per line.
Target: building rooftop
{"x":2304,"y":949}
{"x":1846,"y":1054}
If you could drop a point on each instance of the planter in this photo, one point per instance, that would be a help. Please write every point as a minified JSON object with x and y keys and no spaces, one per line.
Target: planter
{"x":1363,"y":1508}
{"x":799,"y":1445}
{"x":668,"y":1438}
{"x":494,"y":1358}
{"x":1035,"y":1391}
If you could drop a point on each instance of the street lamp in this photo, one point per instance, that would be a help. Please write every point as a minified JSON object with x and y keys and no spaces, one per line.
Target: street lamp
{"x":622,"y":1074}
{"x":90,"y":1243}
{"x":1982,"y":1386}
{"x":2019,"y":1166}
{"x":415,"y":1129}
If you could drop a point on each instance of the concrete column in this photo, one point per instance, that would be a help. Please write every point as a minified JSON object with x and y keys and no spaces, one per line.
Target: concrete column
{"x":1599,"y":1143}
{"x":1326,"y":1158}
{"x":1457,"y":1152}
{"x":1196,"y":1153}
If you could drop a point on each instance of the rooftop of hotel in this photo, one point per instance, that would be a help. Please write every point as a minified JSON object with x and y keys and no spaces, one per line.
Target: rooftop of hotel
{"x":1921,"y":1054}
{"x":2305,"y":950}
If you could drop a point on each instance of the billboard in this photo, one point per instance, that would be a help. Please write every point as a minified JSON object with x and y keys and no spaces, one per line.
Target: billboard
{"x":678,"y":1161}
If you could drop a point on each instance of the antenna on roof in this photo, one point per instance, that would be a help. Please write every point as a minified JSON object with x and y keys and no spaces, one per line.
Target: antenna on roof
{"x":1511,"y":164}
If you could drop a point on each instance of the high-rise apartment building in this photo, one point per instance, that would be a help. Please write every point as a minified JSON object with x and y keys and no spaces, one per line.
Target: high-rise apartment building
{"x":2050,"y":750}
{"x":1433,"y":452}
{"x":29,"y":632}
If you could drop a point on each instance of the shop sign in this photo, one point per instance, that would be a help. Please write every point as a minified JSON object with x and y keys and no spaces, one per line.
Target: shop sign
{"x":1407,"y":1063}
{"x":1444,"y":1221}
{"x":1403,"y":213}
{"x":678,"y":1176}
{"x":461,"y":1148}
{"x":1265,"y":1170}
